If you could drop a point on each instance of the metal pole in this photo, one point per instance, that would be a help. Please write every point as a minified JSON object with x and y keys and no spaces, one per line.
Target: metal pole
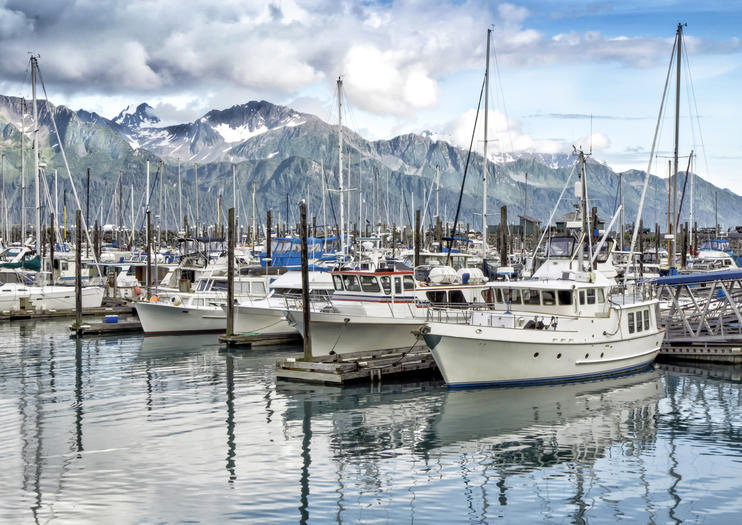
{"x":268,"y":228}
{"x":305,"y":283}
{"x":484,"y":170}
{"x":87,"y":211}
{"x":417,"y":238}
{"x":340,"y":164}
{"x":673,"y":243}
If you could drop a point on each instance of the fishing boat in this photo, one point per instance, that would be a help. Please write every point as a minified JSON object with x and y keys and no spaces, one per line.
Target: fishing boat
{"x":379,"y":309}
{"x":566,"y":323}
{"x":200,"y":311}
{"x":266,"y":316}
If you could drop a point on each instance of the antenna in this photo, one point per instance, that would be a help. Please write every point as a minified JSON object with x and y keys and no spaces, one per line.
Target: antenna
{"x":591,"y":133}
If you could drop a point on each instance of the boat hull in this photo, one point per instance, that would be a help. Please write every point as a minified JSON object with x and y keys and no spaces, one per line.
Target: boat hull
{"x":472,"y":356}
{"x":261,"y":320}
{"x":163,"y":318}
{"x":338,"y":333}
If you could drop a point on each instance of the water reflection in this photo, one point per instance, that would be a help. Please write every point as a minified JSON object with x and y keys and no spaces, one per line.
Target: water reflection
{"x":156,"y":430}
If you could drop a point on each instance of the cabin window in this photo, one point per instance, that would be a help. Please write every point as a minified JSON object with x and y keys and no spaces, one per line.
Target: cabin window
{"x":639,"y":324}
{"x":531,"y":297}
{"x":582,"y":296}
{"x":548,"y":297}
{"x":565,"y":297}
{"x":591,"y":296}
{"x":646,"y":319}
{"x":258,"y":288}
{"x":397,"y":285}
{"x":512,"y":296}
{"x":631,"y":323}
{"x":601,"y":297}
{"x":337,"y":282}
{"x":351,"y":283}
{"x":409,"y":282}
{"x":456,"y":297}
{"x":498,"y":295}
{"x":370,"y":284}
{"x":386,"y":284}
{"x":437,"y":297}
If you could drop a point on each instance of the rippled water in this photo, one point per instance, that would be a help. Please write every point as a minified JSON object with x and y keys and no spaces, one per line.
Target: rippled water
{"x":168,"y":429}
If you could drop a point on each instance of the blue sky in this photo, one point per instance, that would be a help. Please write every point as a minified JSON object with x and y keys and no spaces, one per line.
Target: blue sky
{"x":409,"y":65}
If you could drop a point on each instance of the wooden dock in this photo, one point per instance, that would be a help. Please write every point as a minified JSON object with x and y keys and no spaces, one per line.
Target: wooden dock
{"x":708,"y":352}
{"x":52,"y":314}
{"x":350,"y":368}
{"x":121,"y":327}
{"x":253,"y":340}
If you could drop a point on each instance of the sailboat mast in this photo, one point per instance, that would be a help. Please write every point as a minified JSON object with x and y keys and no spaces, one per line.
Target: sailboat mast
{"x":180,"y":195}
{"x":673,"y":243}
{"x":23,"y":171}
{"x":484,"y":169}
{"x":690,"y":219}
{"x":620,"y":191}
{"x":340,"y":163}
{"x":37,"y":178}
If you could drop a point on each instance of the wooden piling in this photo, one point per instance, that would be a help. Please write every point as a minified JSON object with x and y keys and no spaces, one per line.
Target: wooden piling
{"x":268,"y":227}
{"x":78,"y":269}
{"x":149,"y":256}
{"x":305,"y":283}
{"x":417,"y":237}
{"x":230,"y":274}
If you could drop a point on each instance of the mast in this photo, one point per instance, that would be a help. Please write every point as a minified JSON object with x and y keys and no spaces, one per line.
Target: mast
{"x":484,"y":170}
{"x":131,"y":200}
{"x":690,"y":219}
{"x":160,"y":220}
{"x":3,"y":211}
{"x":23,"y":172}
{"x":673,"y":243}
{"x":340,"y":163}
{"x":324,"y":209}
{"x":37,"y":177}
{"x":119,"y":235}
{"x":180,"y":195}
{"x":146,"y":214}
{"x":195,"y":176}
{"x":437,"y":190}
{"x":234,"y":200}
{"x":620,"y":192}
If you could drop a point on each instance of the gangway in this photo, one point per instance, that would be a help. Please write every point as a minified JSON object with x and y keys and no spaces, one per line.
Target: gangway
{"x":701,"y":315}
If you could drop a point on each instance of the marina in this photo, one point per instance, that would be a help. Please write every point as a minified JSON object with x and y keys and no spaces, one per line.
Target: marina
{"x":387,"y":301}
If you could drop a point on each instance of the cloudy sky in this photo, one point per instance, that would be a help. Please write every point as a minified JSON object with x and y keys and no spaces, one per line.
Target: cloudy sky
{"x":408,"y":65}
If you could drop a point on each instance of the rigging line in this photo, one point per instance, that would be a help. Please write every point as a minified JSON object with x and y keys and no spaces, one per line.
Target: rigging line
{"x":698,"y":116}
{"x":502,"y":94}
{"x":69,"y":173}
{"x":651,"y":155}
{"x":466,"y":170}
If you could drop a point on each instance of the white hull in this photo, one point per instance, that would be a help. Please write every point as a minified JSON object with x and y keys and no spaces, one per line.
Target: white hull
{"x":478,"y":355}
{"x":164,"y":318}
{"x":338,"y":333}
{"x":261,"y":318}
{"x":19,"y":297}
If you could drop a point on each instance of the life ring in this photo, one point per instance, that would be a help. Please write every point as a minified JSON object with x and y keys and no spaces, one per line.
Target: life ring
{"x":154,"y":299}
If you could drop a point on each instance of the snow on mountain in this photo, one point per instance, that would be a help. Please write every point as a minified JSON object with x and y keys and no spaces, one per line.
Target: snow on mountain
{"x":141,"y":116}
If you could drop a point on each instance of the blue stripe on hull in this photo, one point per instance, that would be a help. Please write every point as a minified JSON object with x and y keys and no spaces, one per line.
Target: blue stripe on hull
{"x":552,"y":380}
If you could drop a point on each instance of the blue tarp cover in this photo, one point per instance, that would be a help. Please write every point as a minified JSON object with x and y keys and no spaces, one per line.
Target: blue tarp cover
{"x":696,"y":278}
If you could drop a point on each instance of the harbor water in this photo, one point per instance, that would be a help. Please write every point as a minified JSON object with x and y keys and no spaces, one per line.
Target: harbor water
{"x":129,"y":429}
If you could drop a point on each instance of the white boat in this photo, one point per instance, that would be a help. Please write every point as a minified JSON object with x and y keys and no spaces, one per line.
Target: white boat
{"x":267,"y":316}
{"x":199,"y":311}
{"x":379,"y":310}
{"x":16,"y":296}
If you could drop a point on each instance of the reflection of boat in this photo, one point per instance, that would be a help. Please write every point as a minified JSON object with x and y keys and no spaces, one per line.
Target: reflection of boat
{"x":577,"y":419}
{"x":174,"y":345}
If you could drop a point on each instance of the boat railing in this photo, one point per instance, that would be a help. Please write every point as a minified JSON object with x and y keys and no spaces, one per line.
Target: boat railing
{"x":448,"y":315}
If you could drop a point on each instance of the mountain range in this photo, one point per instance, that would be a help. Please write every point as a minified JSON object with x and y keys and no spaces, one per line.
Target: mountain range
{"x":290,"y":155}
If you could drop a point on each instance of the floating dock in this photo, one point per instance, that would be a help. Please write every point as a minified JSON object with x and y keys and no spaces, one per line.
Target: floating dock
{"x":121,"y":327}
{"x":350,"y":368}
{"x":51,"y":314}
{"x":257,"y":340}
